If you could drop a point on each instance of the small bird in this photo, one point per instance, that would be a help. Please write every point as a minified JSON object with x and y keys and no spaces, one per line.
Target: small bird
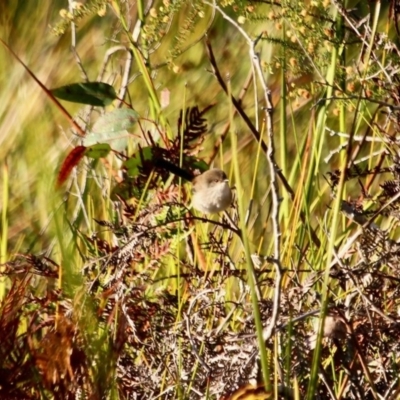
{"x":211,"y":192}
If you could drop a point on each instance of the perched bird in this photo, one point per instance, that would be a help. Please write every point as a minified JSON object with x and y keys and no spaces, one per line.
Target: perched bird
{"x":211,"y":191}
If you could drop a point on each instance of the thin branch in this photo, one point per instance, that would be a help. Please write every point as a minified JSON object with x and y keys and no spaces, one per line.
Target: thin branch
{"x":270,"y":153}
{"x":256,"y":136}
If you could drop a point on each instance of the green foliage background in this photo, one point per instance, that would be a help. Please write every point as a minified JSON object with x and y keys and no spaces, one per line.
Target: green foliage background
{"x":35,"y":136}
{"x":321,"y":75}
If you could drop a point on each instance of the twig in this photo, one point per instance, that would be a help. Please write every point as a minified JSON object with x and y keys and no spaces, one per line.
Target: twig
{"x":48,"y":92}
{"x":273,"y":167}
{"x":344,"y":14}
{"x":273,"y":170}
{"x":276,"y":201}
{"x":257,"y":137}
{"x":225,"y":130}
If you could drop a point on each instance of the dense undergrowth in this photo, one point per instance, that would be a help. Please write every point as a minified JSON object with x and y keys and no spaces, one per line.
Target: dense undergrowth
{"x":112,"y":287}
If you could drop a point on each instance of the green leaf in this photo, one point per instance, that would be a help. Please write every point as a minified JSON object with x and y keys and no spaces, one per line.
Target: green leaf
{"x":195,"y":163}
{"x":134,"y":163}
{"x":97,"y":151}
{"x":92,"y":93}
{"x":113,"y":127}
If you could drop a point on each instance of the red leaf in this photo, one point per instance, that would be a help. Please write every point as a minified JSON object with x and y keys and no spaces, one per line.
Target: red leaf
{"x":69,"y":163}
